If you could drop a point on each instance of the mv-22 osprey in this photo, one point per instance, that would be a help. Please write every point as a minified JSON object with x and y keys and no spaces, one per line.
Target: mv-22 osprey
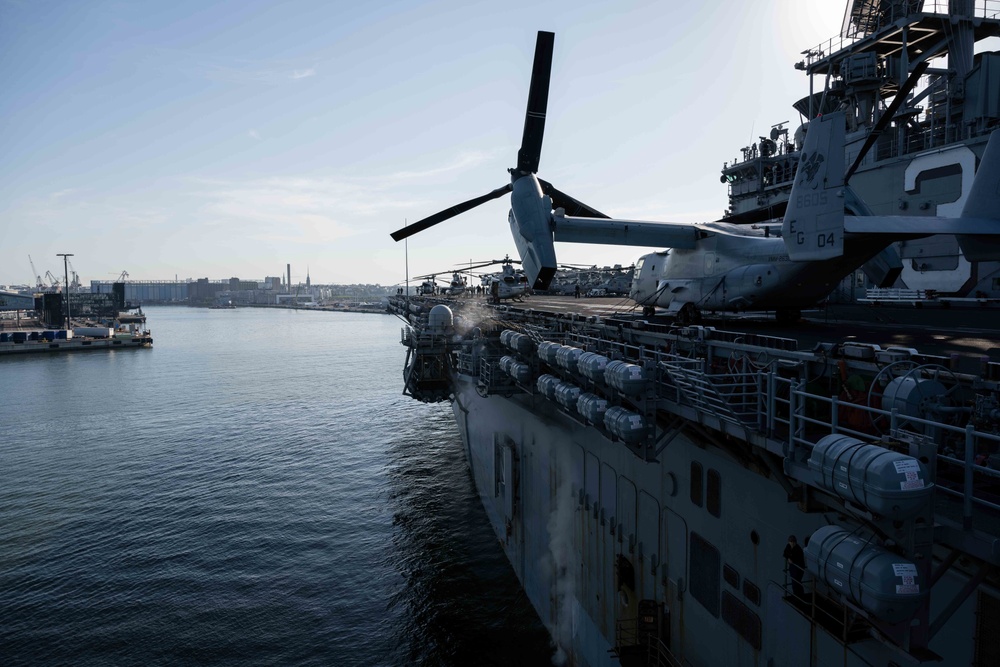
{"x":717,"y":266}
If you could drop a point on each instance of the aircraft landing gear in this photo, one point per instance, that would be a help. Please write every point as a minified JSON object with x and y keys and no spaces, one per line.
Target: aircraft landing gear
{"x":688,"y":314}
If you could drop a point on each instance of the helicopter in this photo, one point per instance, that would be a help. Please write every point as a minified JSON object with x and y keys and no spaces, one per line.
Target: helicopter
{"x":428,"y":287}
{"x":459,"y":284}
{"x":784,"y":266}
{"x":591,"y":279}
{"x":508,"y":283}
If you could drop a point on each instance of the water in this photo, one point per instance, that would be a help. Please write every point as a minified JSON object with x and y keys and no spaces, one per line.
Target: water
{"x":254,"y":490}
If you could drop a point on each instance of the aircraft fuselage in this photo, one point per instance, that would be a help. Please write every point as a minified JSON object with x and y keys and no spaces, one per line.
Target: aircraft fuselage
{"x":743,"y":271}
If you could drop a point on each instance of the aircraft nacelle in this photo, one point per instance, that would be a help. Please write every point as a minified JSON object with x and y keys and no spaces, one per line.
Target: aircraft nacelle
{"x":531,"y":226}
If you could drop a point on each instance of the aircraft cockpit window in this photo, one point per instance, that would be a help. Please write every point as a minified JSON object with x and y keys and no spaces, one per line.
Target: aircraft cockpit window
{"x":638,"y":267}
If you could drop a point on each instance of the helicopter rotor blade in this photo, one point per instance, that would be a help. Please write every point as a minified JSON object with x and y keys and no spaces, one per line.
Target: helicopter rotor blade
{"x":887,"y":117}
{"x":538,"y":99}
{"x":479,"y":265}
{"x":441,"y":216}
{"x":564,"y":201}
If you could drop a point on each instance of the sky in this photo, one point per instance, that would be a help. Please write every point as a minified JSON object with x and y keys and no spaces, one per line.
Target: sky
{"x":219,"y":139}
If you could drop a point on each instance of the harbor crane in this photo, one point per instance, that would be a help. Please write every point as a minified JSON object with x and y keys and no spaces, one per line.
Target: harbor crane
{"x":39,"y":285}
{"x":75,"y":282}
{"x":52,"y":279}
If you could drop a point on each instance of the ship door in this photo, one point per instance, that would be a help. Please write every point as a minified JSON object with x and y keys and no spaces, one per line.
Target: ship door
{"x":647,"y":549}
{"x":626,"y":581}
{"x":674,"y":572}
{"x":506,"y":483}
{"x":590,"y":548}
{"x":508,"y":466}
{"x":609,"y":543}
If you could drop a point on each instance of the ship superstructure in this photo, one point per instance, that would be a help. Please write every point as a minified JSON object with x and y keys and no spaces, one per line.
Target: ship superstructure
{"x":643,"y":480}
{"x":922,"y":164}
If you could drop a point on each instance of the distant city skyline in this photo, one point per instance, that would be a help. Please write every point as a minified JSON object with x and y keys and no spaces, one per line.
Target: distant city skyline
{"x":258,"y":279}
{"x":230,"y":138}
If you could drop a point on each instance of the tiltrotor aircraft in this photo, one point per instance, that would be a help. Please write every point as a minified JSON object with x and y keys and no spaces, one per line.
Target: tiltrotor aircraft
{"x":783,"y":267}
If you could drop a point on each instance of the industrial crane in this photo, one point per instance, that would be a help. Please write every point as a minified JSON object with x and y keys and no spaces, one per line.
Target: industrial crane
{"x":52,"y":279}
{"x":75,"y":282}
{"x":39,"y":285}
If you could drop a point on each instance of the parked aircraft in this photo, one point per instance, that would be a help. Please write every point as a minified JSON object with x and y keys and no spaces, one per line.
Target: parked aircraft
{"x":458,"y":284}
{"x":784,"y":266}
{"x":508,"y":283}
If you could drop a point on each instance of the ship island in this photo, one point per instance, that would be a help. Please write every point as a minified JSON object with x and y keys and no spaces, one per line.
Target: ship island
{"x":701,"y":477}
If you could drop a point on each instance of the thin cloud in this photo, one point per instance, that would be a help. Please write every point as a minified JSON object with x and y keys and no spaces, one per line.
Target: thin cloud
{"x":205,"y":65}
{"x":63,"y":194}
{"x":253,"y":134}
{"x":461,"y":162}
{"x":271,"y":76}
{"x":302,"y":210}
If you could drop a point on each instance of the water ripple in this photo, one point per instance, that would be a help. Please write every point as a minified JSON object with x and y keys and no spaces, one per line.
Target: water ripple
{"x":253,"y":491}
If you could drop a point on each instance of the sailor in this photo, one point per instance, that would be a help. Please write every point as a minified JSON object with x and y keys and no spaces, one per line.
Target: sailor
{"x":577,"y":291}
{"x":795,"y":563}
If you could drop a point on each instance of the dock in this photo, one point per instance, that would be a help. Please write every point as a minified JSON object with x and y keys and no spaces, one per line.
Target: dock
{"x":32,"y":336}
{"x":43,"y":345}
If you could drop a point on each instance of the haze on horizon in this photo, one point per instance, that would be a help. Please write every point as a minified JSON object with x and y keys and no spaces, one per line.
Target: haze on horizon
{"x":230,"y":138}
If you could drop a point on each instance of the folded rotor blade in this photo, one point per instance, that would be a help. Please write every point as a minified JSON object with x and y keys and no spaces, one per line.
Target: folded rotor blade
{"x":573,"y":207}
{"x":538,"y":100}
{"x":441,"y":216}
{"x":479,"y":265}
{"x":887,"y":117}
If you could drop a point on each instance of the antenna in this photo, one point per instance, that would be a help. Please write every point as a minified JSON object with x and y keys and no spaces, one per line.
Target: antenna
{"x":66,"y":256}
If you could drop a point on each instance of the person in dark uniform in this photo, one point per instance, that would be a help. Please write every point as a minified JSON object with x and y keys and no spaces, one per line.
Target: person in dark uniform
{"x":795,"y":561}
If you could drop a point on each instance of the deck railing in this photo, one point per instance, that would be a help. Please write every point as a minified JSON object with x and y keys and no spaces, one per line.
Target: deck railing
{"x":884,"y":14}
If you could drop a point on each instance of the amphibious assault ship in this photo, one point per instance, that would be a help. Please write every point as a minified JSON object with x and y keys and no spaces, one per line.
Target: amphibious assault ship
{"x":644,"y":478}
{"x":924,"y":163}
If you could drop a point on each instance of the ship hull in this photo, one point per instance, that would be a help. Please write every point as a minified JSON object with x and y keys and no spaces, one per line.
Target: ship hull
{"x":591,"y":532}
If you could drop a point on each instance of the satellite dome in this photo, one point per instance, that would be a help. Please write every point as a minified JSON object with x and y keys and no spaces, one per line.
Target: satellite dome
{"x":440,"y":320}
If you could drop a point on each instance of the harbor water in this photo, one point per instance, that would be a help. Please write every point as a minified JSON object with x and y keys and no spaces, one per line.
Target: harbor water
{"x":253,"y":490}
